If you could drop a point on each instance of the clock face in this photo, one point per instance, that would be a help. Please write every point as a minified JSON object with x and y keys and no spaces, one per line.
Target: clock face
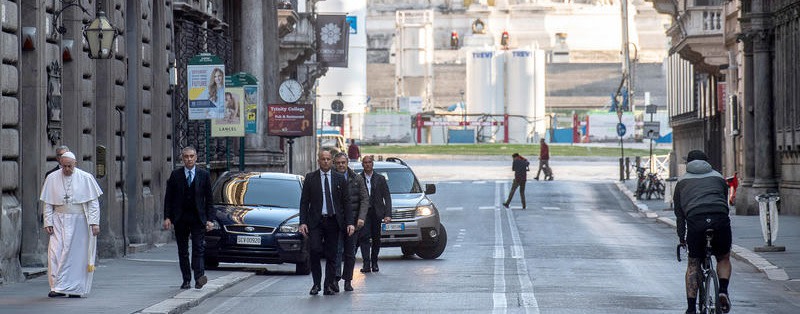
{"x":290,"y":91}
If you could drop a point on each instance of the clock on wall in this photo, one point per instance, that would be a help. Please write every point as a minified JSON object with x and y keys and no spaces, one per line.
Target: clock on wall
{"x":290,"y":91}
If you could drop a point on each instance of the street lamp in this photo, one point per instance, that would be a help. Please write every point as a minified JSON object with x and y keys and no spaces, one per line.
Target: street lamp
{"x":98,"y":33}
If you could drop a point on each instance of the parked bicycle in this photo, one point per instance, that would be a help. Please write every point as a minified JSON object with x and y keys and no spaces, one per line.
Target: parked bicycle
{"x":708,"y":294}
{"x":648,"y":184}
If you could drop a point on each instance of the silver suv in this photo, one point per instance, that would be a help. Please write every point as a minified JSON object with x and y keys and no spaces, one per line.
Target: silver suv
{"x":415,"y":225}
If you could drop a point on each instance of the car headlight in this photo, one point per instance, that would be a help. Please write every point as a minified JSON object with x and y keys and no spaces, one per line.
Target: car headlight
{"x":425,"y":210}
{"x":290,"y":227}
{"x":215,"y":225}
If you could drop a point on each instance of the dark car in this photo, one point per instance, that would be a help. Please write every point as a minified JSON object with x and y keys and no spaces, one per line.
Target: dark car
{"x":257,"y":220}
{"x":415,"y":227}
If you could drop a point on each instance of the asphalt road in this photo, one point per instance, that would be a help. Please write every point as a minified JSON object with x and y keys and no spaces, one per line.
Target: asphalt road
{"x":580,"y":247}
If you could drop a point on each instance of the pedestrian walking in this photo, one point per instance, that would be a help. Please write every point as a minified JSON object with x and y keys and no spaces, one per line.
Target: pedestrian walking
{"x":187,"y":208}
{"x":520,"y":168}
{"x":72,"y":221}
{"x":544,"y":161}
{"x":359,"y":203}
{"x":59,"y":152}
{"x":323,"y":213}
{"x":380,"y":210}
{"x":353,"y":151}
{"x":701,"y":202}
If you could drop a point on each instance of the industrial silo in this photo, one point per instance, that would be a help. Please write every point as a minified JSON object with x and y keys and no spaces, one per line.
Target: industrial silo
{"x":481,"y":82}
{"x":521,"y":99}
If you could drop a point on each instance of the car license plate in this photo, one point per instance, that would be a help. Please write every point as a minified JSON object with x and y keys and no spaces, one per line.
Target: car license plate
{"x":248,"y":240}
{"x":393,"y":227}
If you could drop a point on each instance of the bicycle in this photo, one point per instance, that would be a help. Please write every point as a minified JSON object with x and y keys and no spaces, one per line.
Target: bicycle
{"x":648,"y":184}
{"x":708,"y":294}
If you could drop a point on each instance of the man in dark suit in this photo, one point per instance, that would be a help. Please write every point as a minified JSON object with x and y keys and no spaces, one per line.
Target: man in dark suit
{"x":380,"y":210}
{"x":187,"y":206}
{"x":323,"y":213}
{"x":59,"y":151}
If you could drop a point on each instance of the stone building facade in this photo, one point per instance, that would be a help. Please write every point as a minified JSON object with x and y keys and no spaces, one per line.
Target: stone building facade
{"x":123,"y":117}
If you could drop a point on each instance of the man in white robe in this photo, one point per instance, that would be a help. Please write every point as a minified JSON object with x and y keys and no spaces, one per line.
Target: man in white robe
{"x":72,"y":219}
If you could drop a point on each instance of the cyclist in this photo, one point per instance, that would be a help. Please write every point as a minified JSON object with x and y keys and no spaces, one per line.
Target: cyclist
{"x":701,"y":202}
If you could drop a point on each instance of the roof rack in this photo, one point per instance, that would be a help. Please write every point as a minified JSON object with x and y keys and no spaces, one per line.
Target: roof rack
{"x":396,"y":160}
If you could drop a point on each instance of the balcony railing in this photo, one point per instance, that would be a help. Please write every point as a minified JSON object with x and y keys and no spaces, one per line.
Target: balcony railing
{"x":702,"y":21}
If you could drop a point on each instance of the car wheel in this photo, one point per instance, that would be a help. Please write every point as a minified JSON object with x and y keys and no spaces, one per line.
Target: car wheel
{"x":433,"y":252}
{"x":302,"y":268}
{"x":408,"y":250}
{"x":211,"y":263}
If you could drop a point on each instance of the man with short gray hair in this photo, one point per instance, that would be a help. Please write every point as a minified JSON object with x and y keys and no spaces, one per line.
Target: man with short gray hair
{"x":59,"y":151}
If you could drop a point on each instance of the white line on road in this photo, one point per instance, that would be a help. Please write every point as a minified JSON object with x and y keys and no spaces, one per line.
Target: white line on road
{"x":478,"y":182}
{"x":487,"y":207}
{"x":454,"y":208}
{"x":231,"y":303}
{"x":527,"y":298}
{"x":499,"y":294}
{"x":551,"y":208}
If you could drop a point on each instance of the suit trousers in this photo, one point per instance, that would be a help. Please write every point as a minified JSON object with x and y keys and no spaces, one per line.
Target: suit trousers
{"x":190,"y":228}
{"x":323,"y":240}
{"x":346,"y":253}
{"x":370,"y":240}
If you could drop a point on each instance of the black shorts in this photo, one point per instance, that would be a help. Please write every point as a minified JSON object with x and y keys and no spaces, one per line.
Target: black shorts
{"x":696,"y":234}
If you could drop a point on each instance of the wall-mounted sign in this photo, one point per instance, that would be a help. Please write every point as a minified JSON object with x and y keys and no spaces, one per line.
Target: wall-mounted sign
{"x":333,"y":35}
{"x":290,"y":120}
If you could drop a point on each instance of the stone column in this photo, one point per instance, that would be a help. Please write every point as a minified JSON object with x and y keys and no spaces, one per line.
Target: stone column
{"x":258,"y":55}
{"x":764,"y":125}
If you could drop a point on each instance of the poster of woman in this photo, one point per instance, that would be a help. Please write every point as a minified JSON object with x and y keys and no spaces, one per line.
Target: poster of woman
{"x":232,"y":122}
{"x":206,"y":91}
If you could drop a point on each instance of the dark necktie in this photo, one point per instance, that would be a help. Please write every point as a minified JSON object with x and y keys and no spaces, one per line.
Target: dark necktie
{"x":189,"y":179}
{"x":328,"y":199}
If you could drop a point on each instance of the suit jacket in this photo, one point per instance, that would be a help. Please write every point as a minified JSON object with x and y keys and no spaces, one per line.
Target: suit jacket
{"x":311,"y":199}
{"x":58,"y":167}
{"x":380,"y":200}
{"x":174,"y":197}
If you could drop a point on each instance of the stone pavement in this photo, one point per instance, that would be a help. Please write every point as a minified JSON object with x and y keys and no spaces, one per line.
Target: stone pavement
{"x":144,"y":282}
{"x":780,"y":266}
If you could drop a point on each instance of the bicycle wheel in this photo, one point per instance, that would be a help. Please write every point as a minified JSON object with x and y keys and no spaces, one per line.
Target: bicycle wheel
{"x":711,"y":295}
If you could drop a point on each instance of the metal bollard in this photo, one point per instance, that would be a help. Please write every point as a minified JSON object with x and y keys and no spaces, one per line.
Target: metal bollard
{"x":768,"y":212}
{"x":627,"y":168}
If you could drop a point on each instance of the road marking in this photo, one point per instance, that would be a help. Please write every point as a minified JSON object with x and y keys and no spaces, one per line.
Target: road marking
{"x":455,"y":182}
{"x":454,"y":208}
{"x":457,"y":245}
{"x":245,"y":295}
{"x":551,"y":208}
{"x":499,"y":294}
{"x":487,"y":207}
{"x":583,"y":209}
{"x":527,"y":298}
{"x":478,"y":182}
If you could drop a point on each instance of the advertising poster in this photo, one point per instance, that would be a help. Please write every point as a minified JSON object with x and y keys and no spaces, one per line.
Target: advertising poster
{"x":251,"y":108}
{"x":290,"y":120}
{"x":206,"y":84}
{"x":232,"y":122}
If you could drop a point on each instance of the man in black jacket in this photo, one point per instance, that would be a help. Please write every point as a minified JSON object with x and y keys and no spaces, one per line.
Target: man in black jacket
{"x":59,"y":151}
{"x":380,"y":210}
{"x":359,"y":203}
{"x":701,"y":202}
{"x":187,"y":206}
{"x":323,"y":213}
{"x":520,"y":168}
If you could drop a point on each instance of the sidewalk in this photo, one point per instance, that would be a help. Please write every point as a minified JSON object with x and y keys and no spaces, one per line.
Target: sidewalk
{"x":781,"y":266}
{"x":145,"y":282}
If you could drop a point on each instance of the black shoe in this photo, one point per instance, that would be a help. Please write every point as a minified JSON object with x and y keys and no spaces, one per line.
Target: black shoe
{"x":537,"y":178}
{"x":375,"y":268}
{"x":314,"y":290}
{"x":365,"y":269}
{"x":550,"y":179}
{"x":335,"y":286}
{"x":329,"y":291}
{"x":185,"y":285}
{"x":724,"y":302}
{"x":505,"y":205}
{"x":200,"y":282}
{"x":54,"y":294}
{"x":348,"y":286}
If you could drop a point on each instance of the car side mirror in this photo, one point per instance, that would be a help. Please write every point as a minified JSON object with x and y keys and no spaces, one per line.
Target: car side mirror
{"x":430,"y":188}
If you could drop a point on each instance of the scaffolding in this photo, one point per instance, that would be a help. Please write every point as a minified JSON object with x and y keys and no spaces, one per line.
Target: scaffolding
{"x":414,"y":56}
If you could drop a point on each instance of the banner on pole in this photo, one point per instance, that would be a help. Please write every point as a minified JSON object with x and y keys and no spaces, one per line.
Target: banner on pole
{"x":333,"y":35}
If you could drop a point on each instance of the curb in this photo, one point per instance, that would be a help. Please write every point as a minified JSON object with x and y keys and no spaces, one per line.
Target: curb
{"x":761,"y":264}
{"x":188,"y":299}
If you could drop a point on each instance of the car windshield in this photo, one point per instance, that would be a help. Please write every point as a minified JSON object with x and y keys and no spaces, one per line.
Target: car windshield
{"x":400,"y":180}
{"x":262,"y":191}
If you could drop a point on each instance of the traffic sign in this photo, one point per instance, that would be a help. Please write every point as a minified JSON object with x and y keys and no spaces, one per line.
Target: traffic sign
{"x":620,"y":129}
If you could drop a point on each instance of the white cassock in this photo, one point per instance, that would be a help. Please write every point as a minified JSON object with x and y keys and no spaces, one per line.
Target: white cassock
{"x":70,"y":206}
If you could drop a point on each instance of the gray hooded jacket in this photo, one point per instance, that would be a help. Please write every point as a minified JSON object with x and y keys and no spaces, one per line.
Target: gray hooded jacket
{"x":700,"y":191}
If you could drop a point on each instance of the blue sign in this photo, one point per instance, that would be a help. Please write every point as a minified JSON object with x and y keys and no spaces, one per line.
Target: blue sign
{"x":620,"y":129}
{"x":352,"y":21}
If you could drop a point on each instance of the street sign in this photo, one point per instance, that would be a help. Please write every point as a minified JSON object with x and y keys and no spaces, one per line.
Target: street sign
{"x":651,"y":130}
{"x":651,"y":109}
{"x":620,"y":129}
{"x":337,"y":105}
